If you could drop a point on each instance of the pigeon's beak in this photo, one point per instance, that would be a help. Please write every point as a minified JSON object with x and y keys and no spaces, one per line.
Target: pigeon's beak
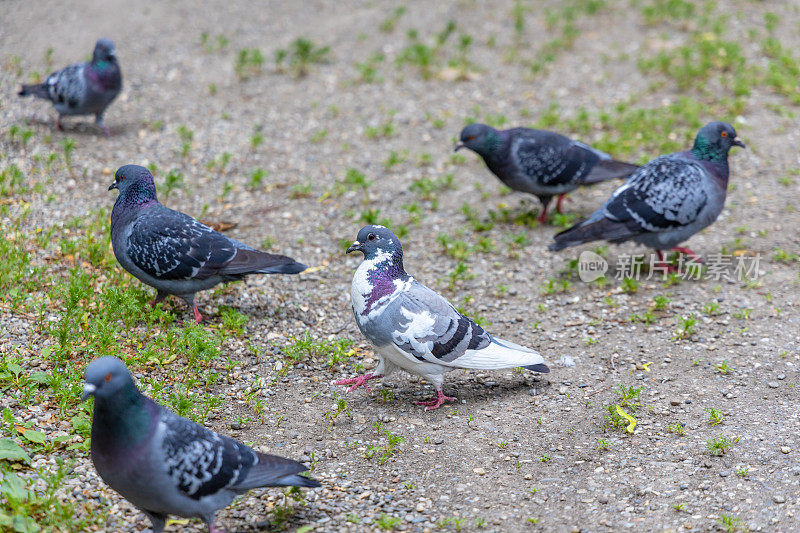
{"x":459,"y":146}
{"x":737,"y":142}
{"x":88,"y":390}
{"x":112,"y":186}
{"x":355,"y":247}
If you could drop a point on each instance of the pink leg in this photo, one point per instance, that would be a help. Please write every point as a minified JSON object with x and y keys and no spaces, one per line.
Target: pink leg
{"x":436,"y":402}
{"x":197,"y":316}
{"x":159,"y":297}
{"x":670,"y":268}
{"x":543,"y":215}
{"x":358,"y":381}
{"x":690,"y":253}
{"x":59,"y":127}
{"x":561,"y":198}
{"x":106,"y":130}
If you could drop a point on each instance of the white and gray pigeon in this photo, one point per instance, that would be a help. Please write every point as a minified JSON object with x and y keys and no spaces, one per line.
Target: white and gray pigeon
{"x":542,"y":163}
{"x":173,"y":252}
{"x":165,"y":464}
{"x":667,"y":201}
{"x":83,"y":88}
{"x":414,"y":328}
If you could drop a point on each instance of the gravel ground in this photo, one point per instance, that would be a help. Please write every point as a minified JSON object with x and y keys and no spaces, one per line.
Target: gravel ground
{"x":517,"y":451}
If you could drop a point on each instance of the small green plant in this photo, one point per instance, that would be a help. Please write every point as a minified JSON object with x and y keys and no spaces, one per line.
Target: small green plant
{"x":390,"y":23}
{"x":679,"y":507}
{"x":603,"y":445}
{"x":388,"y":449}
{"x":629,"y":285}
{"x":686,"y":327}
{"x":300,"y":55}
{"x":743,"y":471}
{"x":248,"y":63}
{"x":256,"y":179}
{"x":719,"y":445}
{"x":730,"y":523}
{"x":677,"y":428}
{"x":723,"y":367}
{"x":715,"y":417}
{"x":661,"y":302}
{"x":69,"y":148}
{"x":387,"y":522}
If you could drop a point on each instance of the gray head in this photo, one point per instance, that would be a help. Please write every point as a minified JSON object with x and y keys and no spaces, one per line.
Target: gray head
{"x":104,"y":50}
{"x":134,"y":182}
{"x":714,"y":141}
{"x":479,"y":138}
{"x":373,"y":241}
{"x":106,"y":377}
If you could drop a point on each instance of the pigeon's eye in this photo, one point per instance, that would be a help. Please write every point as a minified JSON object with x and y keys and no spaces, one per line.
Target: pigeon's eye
{"x":471,"y":138}
{"x":723,"y":134}
{"x":371,"y":237}
{"x":122,"y":178}
{"x":108,"y":377}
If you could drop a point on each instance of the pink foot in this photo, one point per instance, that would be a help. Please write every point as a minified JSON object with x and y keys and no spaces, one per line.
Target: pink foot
{"x":106,"y":130}
{"x":358,"y":381}
{"x":59,"y":127}
{"x":436,"y":402}
{"x":561,"y":198}
{"x":686,"y":251}
{"x":197,"y":316}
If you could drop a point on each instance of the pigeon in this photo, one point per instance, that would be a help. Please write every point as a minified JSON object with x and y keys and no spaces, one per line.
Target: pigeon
{"x":173,"y":252}
{"x":666,"y":201}
{"x":541,"y":162}
{"x":414,"y":328}
{"x":83,"y":88}
{"x":165,"y":464}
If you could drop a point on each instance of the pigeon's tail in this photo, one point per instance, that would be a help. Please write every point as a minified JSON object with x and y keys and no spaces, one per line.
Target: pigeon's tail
{"x":274,"y":471}
{"x":298,"y":481}
{"x":609,"y":169}
{"x":501,"y":354}
{"x":40,"y":90}
{"x":256,"y":262}
{"x":544,"y":369}
{"x":594,"y":229}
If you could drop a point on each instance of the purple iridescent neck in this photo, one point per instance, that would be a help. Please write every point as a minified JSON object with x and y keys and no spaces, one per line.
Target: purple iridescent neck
{"x":382,"y":279}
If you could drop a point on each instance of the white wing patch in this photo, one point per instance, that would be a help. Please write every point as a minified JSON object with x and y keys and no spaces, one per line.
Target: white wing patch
{"x":420,"y":326}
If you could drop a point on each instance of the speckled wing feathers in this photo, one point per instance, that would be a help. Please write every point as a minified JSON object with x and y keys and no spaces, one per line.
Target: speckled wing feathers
{"x":200,"y":461}
{"x":665,"y":194}
{"x":549,"y":161}
{"x":170,"y":245}
{"x":68,"y":85}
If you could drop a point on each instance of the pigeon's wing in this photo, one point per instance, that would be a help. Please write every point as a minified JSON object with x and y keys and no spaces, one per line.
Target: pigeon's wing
{"x":170,"y":245}
{"x":199,"y":461}
{"x":426,"y":327}
{"x":67,"y":86}
{"x":552,"y":159}
{"x":666,"y":193}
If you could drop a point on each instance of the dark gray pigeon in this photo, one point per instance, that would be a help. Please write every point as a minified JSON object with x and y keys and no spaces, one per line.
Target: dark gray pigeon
{"x":540,"y":162}
{"x":173,"y":252}
{"x":666,"y":201}
{"x":165,"y":464}
{"x":416,"y":329}
{"x":82,"y":88}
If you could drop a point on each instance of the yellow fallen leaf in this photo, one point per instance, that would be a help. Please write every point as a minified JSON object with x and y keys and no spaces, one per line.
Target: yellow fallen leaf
{"x":631,"y":421}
